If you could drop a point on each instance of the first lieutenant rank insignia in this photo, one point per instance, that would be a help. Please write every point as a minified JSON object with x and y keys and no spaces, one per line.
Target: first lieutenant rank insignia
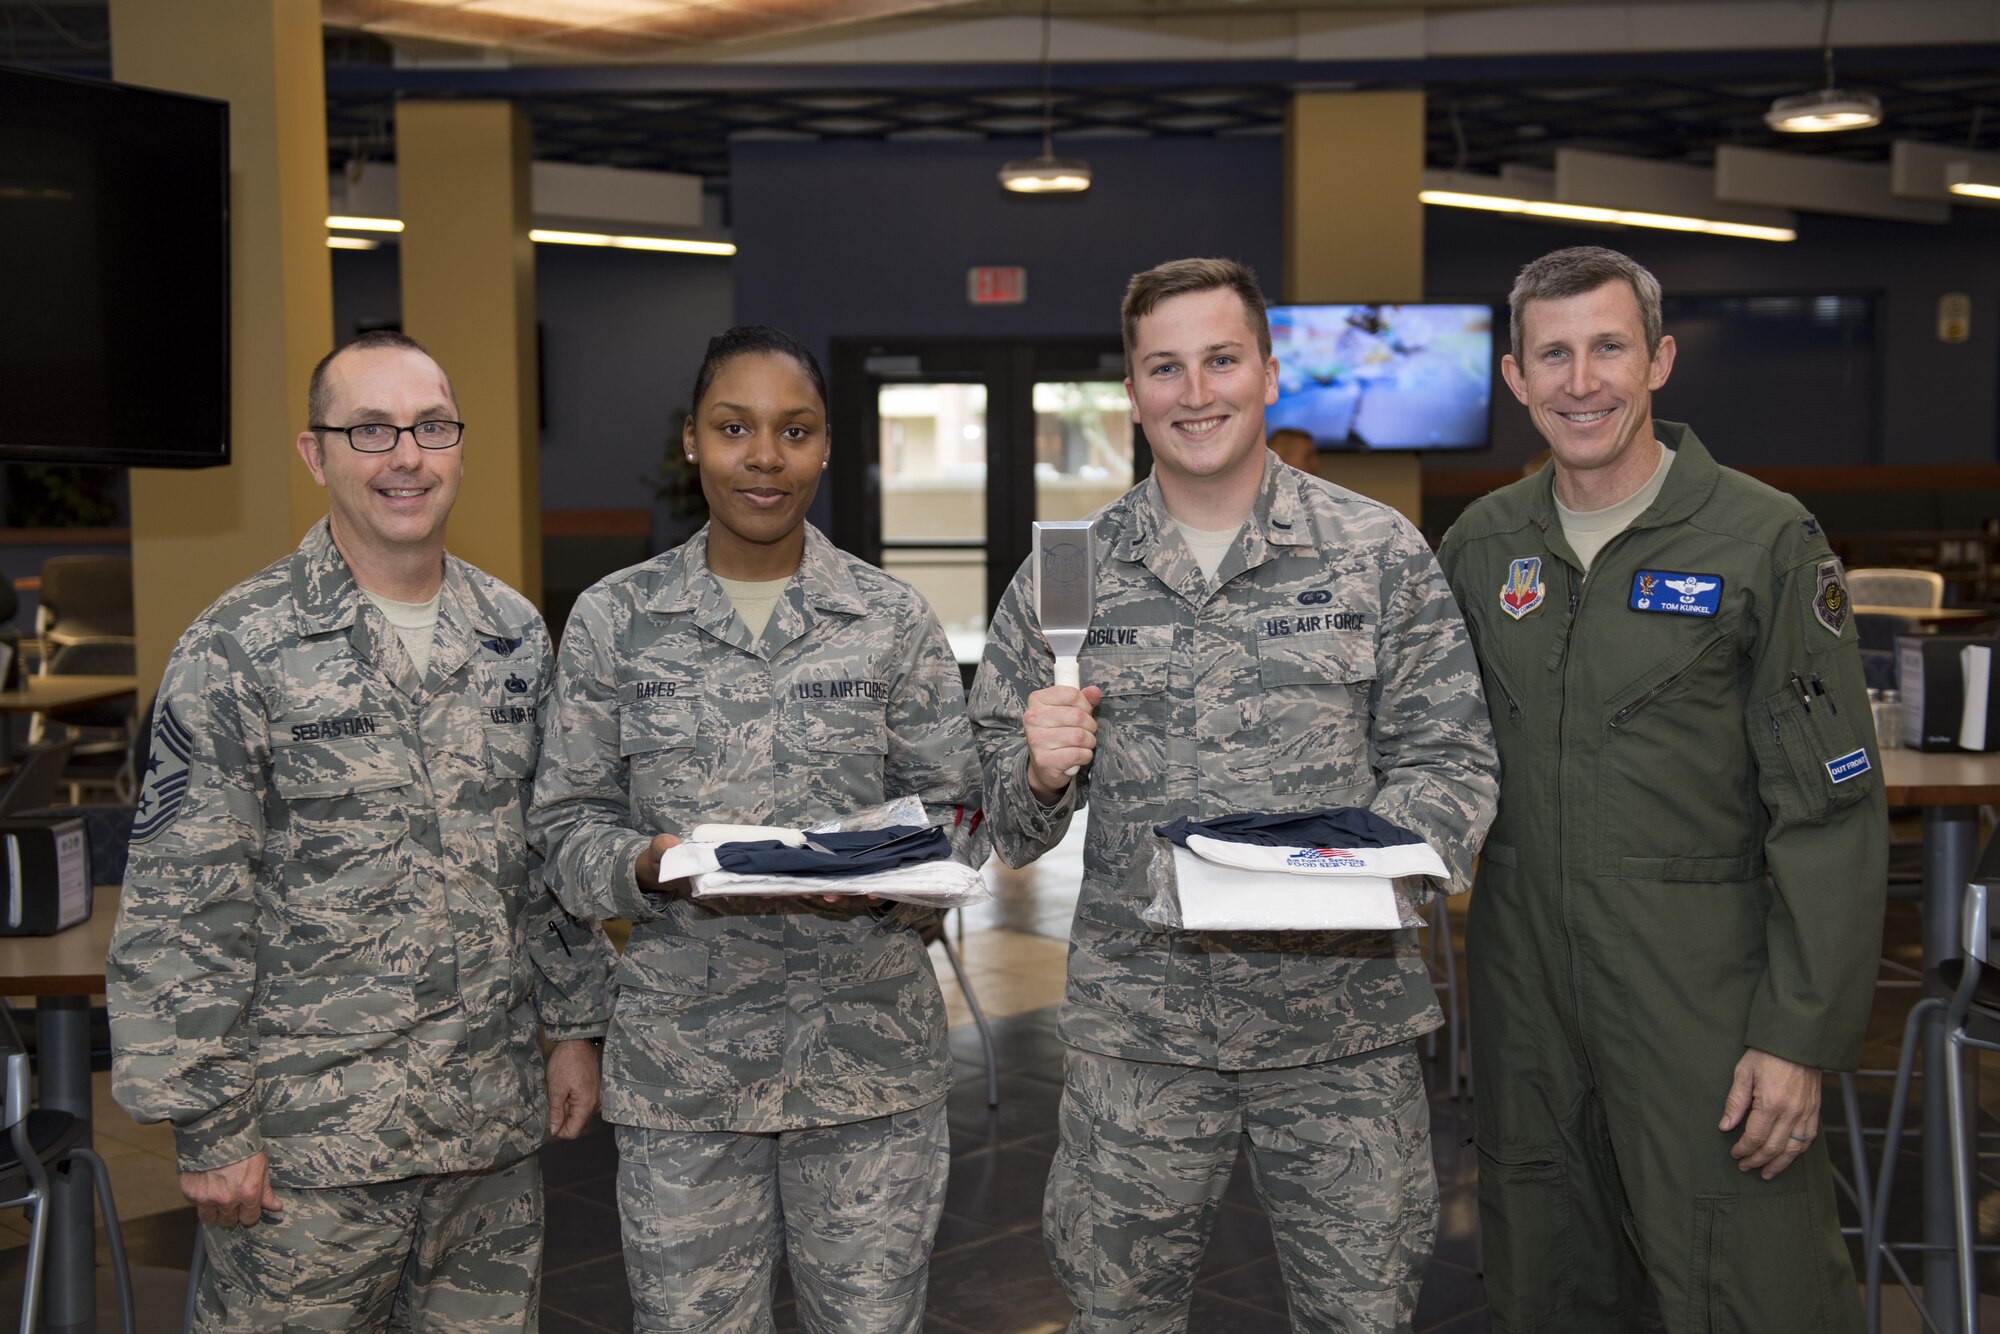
{"x":1524,"y":590}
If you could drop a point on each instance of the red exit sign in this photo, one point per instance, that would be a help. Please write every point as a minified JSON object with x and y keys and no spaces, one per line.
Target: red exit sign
{"x":996,"y":285}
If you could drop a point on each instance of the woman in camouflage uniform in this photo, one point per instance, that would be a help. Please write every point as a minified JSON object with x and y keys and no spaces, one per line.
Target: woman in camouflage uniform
{"x":776,"y":1068}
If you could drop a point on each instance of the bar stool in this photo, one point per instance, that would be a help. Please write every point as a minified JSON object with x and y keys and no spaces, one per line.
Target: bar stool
{"x":1969,"y":994}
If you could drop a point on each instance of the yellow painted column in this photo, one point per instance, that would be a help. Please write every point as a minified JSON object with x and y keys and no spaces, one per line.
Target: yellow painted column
{"x":462,"y":182}
{"x":1354,"y":231}
{"x":195,"y":533}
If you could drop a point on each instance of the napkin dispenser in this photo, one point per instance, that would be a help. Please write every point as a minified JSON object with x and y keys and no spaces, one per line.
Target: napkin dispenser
{"x":1931,"y":683}
{"x":47,"y":867}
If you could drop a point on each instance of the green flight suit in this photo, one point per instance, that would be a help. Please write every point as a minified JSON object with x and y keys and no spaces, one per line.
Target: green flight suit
{"x":1689,"y":860}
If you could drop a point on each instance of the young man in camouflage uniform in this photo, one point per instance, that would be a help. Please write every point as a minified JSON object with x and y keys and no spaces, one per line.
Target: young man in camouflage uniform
{"x":335,"y":958}
{"x":1261,"y":641}
{"x":1679,"y":913}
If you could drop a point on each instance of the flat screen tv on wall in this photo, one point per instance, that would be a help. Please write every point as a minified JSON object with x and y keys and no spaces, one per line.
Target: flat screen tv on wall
{"x":114,"y":274}
{"x":1416,"y":376}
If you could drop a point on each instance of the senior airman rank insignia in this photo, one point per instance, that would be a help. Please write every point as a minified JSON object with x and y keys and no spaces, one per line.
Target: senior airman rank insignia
{"x":1830,"y":600}
{"x":1524,"y":589}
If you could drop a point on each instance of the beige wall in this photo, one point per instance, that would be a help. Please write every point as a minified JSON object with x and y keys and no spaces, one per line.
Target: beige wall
{"x":468,"y":272}
{"x":1354,"y":231}
{"x":196,"y":533}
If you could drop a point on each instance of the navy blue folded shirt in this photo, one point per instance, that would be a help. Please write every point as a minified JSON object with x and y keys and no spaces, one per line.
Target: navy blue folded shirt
{"x":857,"y":852}
{"x":1347,"y":826}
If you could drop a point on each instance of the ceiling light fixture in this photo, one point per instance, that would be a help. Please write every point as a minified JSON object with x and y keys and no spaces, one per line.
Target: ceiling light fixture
{"x":1973,"y":180}
{"x":1047,"y":174}
{"x":345,"y":223}
{"x":668,"y":244}
{"x":1610,"y":217}
{"x":1831,"y":108}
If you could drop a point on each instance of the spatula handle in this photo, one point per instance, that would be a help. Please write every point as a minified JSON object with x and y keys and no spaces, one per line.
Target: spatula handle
{"x":1067,"y":674}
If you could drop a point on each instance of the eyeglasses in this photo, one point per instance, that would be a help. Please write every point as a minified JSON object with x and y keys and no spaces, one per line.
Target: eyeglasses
{"x":381,"y":437}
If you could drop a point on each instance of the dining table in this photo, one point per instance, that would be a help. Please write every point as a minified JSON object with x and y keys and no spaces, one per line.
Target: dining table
{"x":1949,"y":787}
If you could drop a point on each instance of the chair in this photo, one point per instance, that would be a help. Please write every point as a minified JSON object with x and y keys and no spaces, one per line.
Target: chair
{"x":1442,"y":951}
{"x":39,"y":1139}
{"x":85,"y":597}
{"x":1969,"y":994}
{"x":1888,"y":587}
{"x":934,"y":931}
{"x":104,"y":733}
{"x":34,"y":783}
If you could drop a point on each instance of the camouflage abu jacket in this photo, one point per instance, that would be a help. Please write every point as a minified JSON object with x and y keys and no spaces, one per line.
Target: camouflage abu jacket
{"x":334,"y":942}
{"x":752,"y":1014}
{"x":1329,"y":668}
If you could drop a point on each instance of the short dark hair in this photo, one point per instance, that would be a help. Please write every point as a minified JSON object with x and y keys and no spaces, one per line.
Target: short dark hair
{"x":1185,"y":277}
{"x":744,"y":340}
{"x":1580,"y":269}
{"x":1287,"y":433}
{"x":316,"y":390}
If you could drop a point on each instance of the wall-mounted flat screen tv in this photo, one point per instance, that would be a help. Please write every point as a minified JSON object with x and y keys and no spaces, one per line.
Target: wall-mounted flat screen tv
{"x":1384,"y":376}
{"x":114,"y":225}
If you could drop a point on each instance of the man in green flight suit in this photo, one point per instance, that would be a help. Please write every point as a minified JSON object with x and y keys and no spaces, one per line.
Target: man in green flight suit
{"x":1677,"y":915}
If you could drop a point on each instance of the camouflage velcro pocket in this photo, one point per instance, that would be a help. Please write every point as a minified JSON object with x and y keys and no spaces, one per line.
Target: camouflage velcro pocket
{"x":1315,"y":707}
{"x":660,"y":723}
{"x":340,"y":766}
{"x":335,"y":1006}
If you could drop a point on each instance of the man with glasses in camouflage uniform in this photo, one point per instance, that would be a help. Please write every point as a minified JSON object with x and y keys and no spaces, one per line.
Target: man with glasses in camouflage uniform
{"x":335,"y":959}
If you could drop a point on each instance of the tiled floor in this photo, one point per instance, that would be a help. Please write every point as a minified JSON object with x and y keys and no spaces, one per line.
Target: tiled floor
{"x":990,"y":1274}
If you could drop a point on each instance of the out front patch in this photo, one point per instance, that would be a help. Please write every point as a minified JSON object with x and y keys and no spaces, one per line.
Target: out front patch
{"x":1524,"y":590}
{"x":1676,"y":594}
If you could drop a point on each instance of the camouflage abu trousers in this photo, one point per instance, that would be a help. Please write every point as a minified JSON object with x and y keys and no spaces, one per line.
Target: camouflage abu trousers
{"x":457,"y":1253}
{"x":851,"y":1209}
{"x":1340,"y":1154}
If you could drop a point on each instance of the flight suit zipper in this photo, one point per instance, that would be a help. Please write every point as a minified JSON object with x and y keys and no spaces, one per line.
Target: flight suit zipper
{"x":1619,"y":718}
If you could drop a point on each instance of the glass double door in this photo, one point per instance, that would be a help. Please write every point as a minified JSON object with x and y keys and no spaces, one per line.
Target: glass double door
{"x":960,"y":447}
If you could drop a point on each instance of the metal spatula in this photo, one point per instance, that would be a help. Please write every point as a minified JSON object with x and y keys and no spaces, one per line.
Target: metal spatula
{"x":1065,"y":588}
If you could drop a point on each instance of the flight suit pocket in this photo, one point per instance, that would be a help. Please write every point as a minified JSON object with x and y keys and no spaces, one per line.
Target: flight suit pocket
{"x":1756,"y":1265}
{"x":1314,"y":701}
{"x":1526,"y":1221}
{"x":656,"y":740}
{"x":1810,"y":761}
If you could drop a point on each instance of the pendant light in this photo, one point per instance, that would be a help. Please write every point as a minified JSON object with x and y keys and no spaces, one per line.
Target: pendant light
{"x":1828,"y":110}
{"x":1046,"y":174}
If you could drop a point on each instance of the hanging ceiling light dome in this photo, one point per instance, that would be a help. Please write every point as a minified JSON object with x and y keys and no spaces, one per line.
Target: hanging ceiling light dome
{"x":1046,"y":174}
{"x":1826,"y":110}
{"x":1831,"y":108}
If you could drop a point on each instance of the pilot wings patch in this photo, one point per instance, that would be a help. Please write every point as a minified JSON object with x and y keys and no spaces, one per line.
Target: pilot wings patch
{"x":1676,"y":594}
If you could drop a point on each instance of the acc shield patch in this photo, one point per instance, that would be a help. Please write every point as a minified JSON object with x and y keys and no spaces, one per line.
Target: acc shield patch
{"x":1524,"y":590}
{"x":1830,"y":605}
{"x":166,"y":784}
